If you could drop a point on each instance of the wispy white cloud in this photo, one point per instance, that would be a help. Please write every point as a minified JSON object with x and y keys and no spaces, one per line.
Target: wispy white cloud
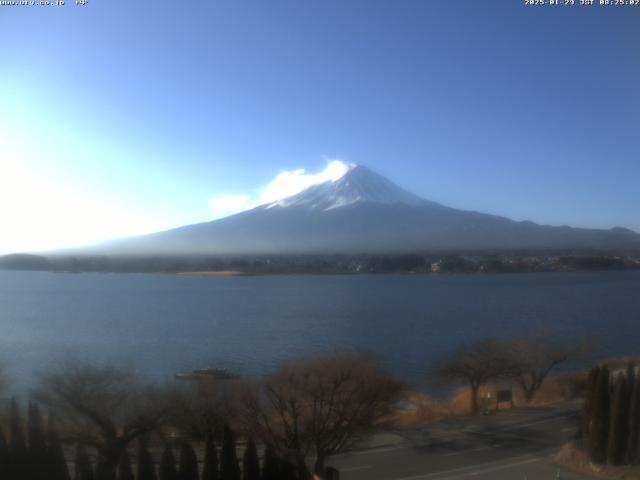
{"x":285,"y":184}
{"x":289,"y":183}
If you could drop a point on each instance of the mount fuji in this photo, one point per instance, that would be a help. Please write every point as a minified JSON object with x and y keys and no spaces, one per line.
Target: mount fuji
{"x":362,"y":212}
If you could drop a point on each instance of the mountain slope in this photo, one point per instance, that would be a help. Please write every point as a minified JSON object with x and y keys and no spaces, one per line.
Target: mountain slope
{"x":363,"y":212}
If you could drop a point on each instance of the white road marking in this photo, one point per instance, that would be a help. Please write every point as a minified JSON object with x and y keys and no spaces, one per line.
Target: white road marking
{"x":371,"y":451}
{"x":494,"y":469}
{"x":462,"y":471}
{"x":507,"y":413}
{"x":480,"y":449}
{"x":353,"y":469}
{"x":537,"y":422}
{"x":408,"y":447}
{"x":472,"y":469}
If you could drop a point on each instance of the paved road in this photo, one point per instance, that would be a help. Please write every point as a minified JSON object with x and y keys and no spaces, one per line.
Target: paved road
{"x":511,"y":444}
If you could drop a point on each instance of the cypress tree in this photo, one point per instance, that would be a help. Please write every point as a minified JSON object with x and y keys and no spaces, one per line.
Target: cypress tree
{"x":124,"y":467}
{"x":250,"y":462}
{"x":270,"y":469}
{"x":56,"y":462}
{"x":146,"y":468}
{"x":188,"y":462}
{"x":168,"y":465}
{"x":4,"y":456}
{"x":83,"y":470}
{"x":589,"y":400}
{"x":287,"y":470}
{"x":103,"y":471}
{"x":634,"y":423}
{"x":599,"y":429}
{"x":619,"y":423}
{"x":18,"y":455}
{"x":229,"y":468}
{"x":37,"y":445}
{"x":210,"y":469}
{"x":631,"y":374}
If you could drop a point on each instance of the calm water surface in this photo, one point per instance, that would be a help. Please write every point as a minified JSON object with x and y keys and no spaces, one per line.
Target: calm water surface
{"x":165,"y":324}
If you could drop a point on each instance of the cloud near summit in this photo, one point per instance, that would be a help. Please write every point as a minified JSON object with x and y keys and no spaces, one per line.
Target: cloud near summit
{"x":285,"y":184}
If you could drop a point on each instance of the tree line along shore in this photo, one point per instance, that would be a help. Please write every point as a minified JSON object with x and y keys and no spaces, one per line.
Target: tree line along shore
{"x":432,"y":263}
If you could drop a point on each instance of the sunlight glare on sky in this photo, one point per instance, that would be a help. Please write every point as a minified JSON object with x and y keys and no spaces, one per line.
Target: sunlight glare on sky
{"x":38,"y":214}
{"x":42,"y":207}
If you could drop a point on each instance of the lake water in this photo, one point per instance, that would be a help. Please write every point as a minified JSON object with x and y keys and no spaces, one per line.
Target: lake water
{"x":164,"y":324}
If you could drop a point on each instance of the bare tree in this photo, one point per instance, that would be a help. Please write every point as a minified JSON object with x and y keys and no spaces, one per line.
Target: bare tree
{"x":203,"y":409}
{"x":320,"y":406}
{"x":477,"y":364}
{"x":532,"y":358}
{"x":104,"y":407}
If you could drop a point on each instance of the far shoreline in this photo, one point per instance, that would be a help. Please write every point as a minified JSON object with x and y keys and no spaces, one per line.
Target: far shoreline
{"x":235,"y":274}
{"x":210,"y":273}
{"x":418,"y":263}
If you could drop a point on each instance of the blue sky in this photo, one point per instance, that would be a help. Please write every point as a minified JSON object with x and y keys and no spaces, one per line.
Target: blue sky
{"x":123,"y":117}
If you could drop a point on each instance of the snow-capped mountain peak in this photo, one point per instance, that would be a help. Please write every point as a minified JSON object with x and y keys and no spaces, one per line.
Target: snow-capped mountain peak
{"x":358,"y":184}
{"x":362,"y":212}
